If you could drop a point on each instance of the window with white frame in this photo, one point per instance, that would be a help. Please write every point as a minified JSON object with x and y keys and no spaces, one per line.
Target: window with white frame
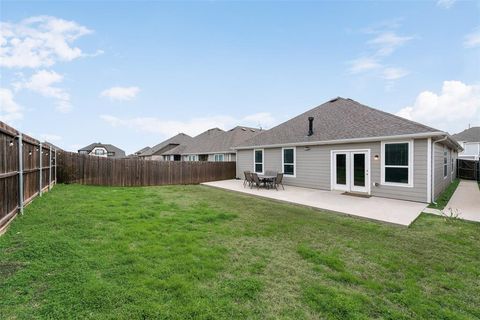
{"x":445,"y":162}
{"x":219,"y":157}
{"x":99,"y":152}
{"x":397,"y":163}
{"x":192,"y":157}
{"x":258,"y":161}
{"x":288,"y":161}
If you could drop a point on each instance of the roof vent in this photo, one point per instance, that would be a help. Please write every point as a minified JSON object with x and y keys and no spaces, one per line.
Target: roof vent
{"x":334,"y":99}
{"x":243,"y":129}
{"x":253,"y":130}
{"x":310,"y":126}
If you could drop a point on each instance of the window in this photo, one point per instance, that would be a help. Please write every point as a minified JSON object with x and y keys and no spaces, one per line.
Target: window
{"x":288,"y":161}
{"x":258,"y":161}
{"x":397,"y":163}
{"x":445,"y":162}
{"x":219,"y":157}
{"x":111,"y":154}
{"x":192,"y":158}
{"x":83,"y":152}
{"x":99,"y":152}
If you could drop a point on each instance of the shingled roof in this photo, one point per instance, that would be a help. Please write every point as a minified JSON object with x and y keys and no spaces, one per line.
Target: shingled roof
{"x":179,"y":139}
{"x":338,"y":119}
{"x":119,"y":153}
{"x":469,"y":135}
{"x":216,"y":141}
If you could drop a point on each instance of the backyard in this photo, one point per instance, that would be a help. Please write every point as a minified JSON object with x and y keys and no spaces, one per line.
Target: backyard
{"x":196,"y":252}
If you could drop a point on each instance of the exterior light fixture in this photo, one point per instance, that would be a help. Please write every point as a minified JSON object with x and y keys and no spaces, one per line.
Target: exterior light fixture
{"x":307,"y":149}
{"x":376,"y":157}
{"x":11,"y":143}
{"x":29,"y":153}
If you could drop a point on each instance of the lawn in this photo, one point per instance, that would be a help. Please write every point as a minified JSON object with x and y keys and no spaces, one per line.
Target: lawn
{"x":445,"y":196}
{"x":192,"y":252}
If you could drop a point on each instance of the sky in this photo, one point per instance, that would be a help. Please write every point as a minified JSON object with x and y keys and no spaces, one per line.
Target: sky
{"x":135,"y":73}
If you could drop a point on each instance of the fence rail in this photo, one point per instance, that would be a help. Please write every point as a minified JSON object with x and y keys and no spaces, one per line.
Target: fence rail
{"x":85,"y":169}
{"x":27,"y":169}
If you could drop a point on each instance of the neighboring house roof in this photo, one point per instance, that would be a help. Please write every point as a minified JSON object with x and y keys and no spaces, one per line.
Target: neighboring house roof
{"x":139,"y":152}
{"x":338,"y":119}
{"x":469,"y":135}
{"x":119,"y":153}
{"x":174,"y":141}
{"x":216,"y":140}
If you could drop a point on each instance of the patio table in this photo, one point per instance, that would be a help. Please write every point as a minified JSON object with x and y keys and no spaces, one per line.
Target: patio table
{"x":266,"y":178}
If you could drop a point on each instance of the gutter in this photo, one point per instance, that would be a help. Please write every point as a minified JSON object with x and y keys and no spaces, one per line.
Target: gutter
{"x":340,"y":141}
{"x":433,"y":167}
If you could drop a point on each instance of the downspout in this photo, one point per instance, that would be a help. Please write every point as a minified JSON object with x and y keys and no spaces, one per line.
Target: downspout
{"x":433,"y":167}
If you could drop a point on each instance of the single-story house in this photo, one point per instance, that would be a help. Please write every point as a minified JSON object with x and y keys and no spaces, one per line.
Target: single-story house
{"x":102,"y":150}
{"x":214,"y":144}
{"x":469,"y":139}
{"x":344,"y":145}
{"x":157,"y":152}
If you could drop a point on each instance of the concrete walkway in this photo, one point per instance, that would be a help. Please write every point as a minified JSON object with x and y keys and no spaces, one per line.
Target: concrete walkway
{"x":387,"y":210}
{"x":466,"y":199}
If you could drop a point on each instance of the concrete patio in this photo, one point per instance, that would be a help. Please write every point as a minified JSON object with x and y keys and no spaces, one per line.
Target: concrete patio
{"x":466,"y":201}
{"x":381,"y":209}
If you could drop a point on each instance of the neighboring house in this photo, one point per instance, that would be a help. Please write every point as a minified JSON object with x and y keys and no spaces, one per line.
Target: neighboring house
{"x":214,"y":144}
{"x":102,"y":150}
{"x":469,"y":139}
{"x":139,"y":152}
{"x":156,"y":152}
{"x":344,"y":145}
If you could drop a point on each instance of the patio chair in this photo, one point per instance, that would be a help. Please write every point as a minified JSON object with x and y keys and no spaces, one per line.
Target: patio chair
{"x":270,"y":173}
{"x":248,"y":178}
{"x":255,"y":181}
{"x":279,"y":181}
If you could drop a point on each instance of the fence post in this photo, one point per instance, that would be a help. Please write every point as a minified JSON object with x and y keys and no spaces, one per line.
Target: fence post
{"x":40,"y":179}
{"x":50,"y":168}
{"x":55,"y":158}
{"x":20,"y":172}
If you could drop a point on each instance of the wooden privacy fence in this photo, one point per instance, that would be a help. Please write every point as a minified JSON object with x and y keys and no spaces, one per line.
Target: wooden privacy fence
{"x":27,"y":168}
{"x":468,"y":169}
{"x":85,"y":169}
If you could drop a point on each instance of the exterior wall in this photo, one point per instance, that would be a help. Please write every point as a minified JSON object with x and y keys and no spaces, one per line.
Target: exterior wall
{"x":92,"y":153}
{"x":313,"y":168}
{"x":440,"y":182}
{"x":471,"y":150}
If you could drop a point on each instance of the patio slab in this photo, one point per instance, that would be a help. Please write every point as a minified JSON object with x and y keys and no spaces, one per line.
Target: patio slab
{"x":381,"y":209}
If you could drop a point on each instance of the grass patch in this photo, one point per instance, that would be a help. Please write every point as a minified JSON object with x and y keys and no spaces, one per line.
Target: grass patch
{"x":193,"y":252}
{"x":445,"y":196}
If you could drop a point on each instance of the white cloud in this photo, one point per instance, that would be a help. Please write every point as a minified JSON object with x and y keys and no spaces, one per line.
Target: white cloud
{"x":457,"y":105}
{"x":446,"y":4}
{"x":391,"y":73}
{"x":363,"y":64}
{"x":120,"y":93}
{"x":39,"y":41}
{"x":472,"y":40}
{"x":42,"y":83}
{"x":387,"y":42}
{"x":191,"y":127}
{"x":9,"y":109}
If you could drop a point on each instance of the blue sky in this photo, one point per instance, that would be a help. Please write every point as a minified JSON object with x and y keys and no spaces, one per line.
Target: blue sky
{"x":134,"y":73}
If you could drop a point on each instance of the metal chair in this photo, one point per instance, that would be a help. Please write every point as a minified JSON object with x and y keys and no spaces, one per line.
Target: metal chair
{"x":248,"y":178}
{"x":279,"y":181}
{"x":256,"y":181}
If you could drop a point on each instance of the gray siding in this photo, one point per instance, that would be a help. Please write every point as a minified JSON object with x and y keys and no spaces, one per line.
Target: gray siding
{"x":313,"y":168}
{"x":440,"y":182}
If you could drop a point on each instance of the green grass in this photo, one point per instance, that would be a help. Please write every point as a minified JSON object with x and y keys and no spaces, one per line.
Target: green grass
{"x":445,"y":196}
{"x":192,"y":252}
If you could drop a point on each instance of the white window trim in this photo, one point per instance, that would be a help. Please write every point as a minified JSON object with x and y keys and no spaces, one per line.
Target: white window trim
{"x":410,"y":165}
{"x":263,"y":161}
{"x":218,"y":155}
{"x":294,"y":162}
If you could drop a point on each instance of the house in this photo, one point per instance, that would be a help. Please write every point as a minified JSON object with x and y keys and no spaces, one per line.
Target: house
{"x":102,"y":150}
{"x":344,"y":145}
{"x":139,"y":152}
{"x":214,"y":144}
{"x":156,"y":152}
{"x":469,"y":139}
